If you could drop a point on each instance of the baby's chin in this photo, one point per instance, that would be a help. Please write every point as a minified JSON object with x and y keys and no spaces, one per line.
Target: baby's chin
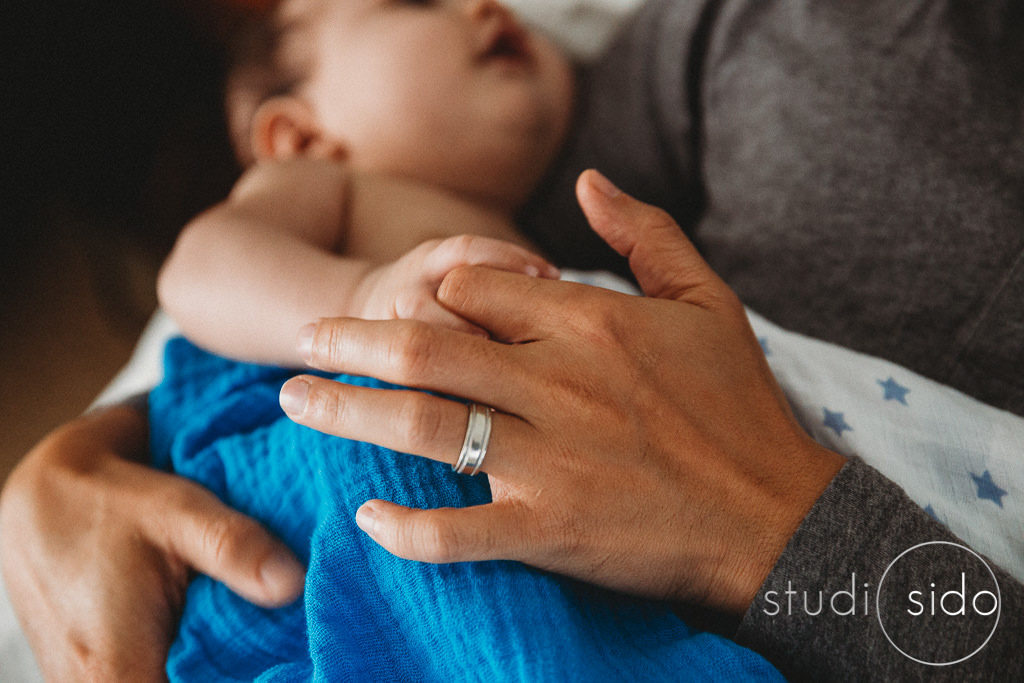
{"x":527,"y":135}
{"x":517,"y":160}
{"x":494,"y":155}
{"x":500,"y":187}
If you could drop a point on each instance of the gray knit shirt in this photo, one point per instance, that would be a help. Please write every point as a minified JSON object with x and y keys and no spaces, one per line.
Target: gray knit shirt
{"x":855,"y":171}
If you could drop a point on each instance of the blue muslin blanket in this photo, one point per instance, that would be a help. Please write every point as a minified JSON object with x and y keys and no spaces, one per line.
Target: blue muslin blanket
{"x":366,"y":614}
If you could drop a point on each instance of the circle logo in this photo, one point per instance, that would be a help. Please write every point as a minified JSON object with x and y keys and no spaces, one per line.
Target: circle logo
{"x":945,"y":584}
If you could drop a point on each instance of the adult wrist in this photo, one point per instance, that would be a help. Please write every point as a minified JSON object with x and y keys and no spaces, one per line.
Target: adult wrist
{"x":783,"y":513}
{"x":820,"y":612}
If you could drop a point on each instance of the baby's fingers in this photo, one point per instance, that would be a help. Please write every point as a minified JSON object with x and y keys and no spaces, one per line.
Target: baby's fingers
{"x":473,"y":250}
{"x":421,"y":305}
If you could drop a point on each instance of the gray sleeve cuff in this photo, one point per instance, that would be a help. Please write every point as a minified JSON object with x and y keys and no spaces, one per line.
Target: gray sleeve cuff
{"x":816,"y":615}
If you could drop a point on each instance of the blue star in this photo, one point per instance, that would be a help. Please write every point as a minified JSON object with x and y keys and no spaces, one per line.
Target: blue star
{"x":988,"y":489}
{"x":894,"y":391}
{"x":763,"y":341}
{"x":836,"y":422}
{"x":931,"y":513}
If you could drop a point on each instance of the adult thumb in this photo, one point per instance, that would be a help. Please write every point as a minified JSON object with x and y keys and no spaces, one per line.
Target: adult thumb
{"x":227,"y":546}
{"x":665,"y":263}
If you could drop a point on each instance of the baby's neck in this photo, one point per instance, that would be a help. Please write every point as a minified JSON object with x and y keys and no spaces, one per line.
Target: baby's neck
{"x":388,"y":216}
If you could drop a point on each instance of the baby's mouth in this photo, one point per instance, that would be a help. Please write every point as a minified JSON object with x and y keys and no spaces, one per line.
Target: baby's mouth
{"x":508,"y":44}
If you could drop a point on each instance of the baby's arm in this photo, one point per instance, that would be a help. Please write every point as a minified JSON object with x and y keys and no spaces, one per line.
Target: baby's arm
{"x":232,"y":280}
{"x":300,"y":240}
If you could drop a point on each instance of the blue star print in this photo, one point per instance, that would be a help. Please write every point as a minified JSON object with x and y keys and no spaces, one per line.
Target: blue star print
{"x":988,"y":489}
{"x":894,"y":391}
{"x":836,"y":422}
{"x":931,"y":513}
{"x":763,"y":341}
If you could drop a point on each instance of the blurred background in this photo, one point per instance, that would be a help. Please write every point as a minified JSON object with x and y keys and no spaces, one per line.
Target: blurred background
{"x":115,"y":140}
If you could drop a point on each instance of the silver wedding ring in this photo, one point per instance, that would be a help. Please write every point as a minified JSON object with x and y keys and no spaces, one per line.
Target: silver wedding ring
{"x":474,"y":446}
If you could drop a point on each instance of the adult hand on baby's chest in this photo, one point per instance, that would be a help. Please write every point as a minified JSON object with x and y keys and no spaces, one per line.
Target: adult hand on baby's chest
{"x":638,"y":443}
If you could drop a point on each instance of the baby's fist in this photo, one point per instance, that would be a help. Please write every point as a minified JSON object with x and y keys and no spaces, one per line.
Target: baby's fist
{"x":407,"y":288}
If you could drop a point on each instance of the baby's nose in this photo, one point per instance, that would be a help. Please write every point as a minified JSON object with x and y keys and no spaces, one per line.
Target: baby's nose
{"x":483,"y":9}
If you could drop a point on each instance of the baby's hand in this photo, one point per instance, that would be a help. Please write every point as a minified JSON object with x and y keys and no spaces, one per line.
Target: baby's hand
{"x":407,"y":288}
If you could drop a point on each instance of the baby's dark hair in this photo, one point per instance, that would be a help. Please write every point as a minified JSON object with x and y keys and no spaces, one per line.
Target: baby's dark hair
{"x":258,"y":69}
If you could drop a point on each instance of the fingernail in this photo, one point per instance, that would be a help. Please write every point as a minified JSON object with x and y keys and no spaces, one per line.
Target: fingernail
{"x":282,"y":573}
{"x":552,"y":272}
{"x":532,"y":270}
{"x":603,"y":185}
{"x":366,"y":518}
{"x":294,"y":395}
{"x":305,"y":341}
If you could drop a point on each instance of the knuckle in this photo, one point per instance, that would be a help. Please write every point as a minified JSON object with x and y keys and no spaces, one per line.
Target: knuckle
{"x":656,"y":218}
{"x":603,"y":323}
{"x":423,"y":255}
{"x":95,"y":662}
{"x":176,"y":511}
{"x":182,"y":500}
{"x":460,"y":247}
{"x":327,"y":405}
{"x":329,"y":341}
{"x":410,"y":304}
{"x":223,"y":537}
{"x":437,"y":542}
{"x":412,"y":351}
{"x":420,"y":421}
{"x":719,"y":297}
{"x":428,"y":246}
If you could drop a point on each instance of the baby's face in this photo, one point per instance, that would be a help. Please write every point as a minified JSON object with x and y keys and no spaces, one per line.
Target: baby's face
{"x":450,"y":92}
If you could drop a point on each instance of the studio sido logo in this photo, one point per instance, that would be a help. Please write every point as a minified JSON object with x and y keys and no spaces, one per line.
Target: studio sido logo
{"x":938,"y":603}
{"x":921,"y":620}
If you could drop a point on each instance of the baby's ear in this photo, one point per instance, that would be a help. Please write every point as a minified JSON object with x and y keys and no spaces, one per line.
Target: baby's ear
{"x":286,"y":128}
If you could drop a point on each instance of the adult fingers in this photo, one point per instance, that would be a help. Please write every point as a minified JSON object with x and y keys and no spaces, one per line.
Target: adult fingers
{"x":665,"y":262}
{"x":513,"y":308}
{"x":191,"y":524}
{"x":474,"y":250}
{"x":442,"y":535}
{"x":415,"y":354}
{"x":405,"y":421}
{"x":417,"y":305}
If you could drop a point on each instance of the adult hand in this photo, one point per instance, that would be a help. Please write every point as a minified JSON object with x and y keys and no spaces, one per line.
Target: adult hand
{"x":97,"y":551}
{"x":640,"y":443}
{"x":407,"y":288}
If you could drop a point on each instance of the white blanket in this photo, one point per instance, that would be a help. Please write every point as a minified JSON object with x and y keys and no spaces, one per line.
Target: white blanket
{"x":959,"y":459}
